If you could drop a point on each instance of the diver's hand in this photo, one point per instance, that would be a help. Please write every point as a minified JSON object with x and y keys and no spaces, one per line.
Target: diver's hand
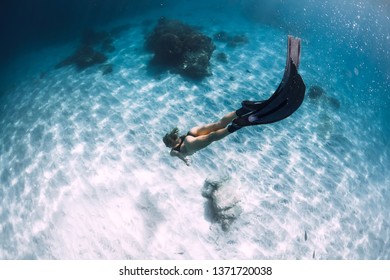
{"x":187,"y":161}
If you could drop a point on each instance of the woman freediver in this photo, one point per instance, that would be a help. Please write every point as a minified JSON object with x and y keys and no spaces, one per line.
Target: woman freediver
{"x":285,"y":101}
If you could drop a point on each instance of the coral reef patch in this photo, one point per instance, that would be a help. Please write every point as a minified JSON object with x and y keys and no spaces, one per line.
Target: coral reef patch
{"x":180,"y":48}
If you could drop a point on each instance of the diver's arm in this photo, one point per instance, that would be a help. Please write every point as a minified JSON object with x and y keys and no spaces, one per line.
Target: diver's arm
{"x":179,"y":155}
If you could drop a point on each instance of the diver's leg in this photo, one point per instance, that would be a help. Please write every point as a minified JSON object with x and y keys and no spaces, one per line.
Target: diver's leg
{"x":228,"y":118}
{"x":208,"y":128}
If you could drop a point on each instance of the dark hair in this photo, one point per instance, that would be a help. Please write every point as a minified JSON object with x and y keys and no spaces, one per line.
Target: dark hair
{"x":170,"y":138}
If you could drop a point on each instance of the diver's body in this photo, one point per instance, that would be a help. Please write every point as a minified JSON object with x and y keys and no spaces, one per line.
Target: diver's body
{"x":286,"y":100}
{"x":198,"y":137}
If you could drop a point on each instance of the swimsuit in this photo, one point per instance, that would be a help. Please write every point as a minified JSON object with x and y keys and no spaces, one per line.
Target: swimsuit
{"x":182,"y":141}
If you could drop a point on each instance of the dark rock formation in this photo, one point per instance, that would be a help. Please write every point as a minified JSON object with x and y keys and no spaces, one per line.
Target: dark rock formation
{"x":333,"y":102}
{"x":230,"y":40}
{"x":222,"y":57}
{"x":106,"y":69}
{"x":315,"y":92}
{"x":85,"y":56}
{"x":224,"y":199}
{"x":180,"y":47}
{"x":92,"y":49}
{"x":237,"y":41}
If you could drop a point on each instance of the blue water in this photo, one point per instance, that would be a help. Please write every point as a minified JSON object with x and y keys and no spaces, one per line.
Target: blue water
{"x":84,"y":173}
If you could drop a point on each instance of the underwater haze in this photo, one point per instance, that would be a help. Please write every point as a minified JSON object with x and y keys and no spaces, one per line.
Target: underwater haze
{"x":84,"y":173}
